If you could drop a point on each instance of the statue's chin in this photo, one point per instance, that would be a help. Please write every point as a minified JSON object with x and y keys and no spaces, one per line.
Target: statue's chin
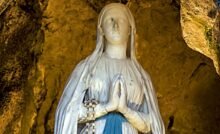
{"x":116,"y":41}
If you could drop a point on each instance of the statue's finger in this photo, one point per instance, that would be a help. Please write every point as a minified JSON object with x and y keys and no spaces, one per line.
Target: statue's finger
{"x":116,"y":88}
{"x":123,"y":87}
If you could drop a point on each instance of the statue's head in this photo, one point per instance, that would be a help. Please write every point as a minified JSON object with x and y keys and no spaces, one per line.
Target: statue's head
{"x":115,"y":23}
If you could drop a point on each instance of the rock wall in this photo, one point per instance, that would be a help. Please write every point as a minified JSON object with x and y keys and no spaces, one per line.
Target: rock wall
{"x":20,"y":42}
{"x":42,"y":41}
{"x":200,"y":27}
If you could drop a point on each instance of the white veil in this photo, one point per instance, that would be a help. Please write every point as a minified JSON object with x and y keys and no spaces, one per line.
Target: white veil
{"x":67,"y":111}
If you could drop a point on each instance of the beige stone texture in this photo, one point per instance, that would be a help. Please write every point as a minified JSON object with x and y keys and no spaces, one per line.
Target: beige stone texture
{"x":199,"y":22}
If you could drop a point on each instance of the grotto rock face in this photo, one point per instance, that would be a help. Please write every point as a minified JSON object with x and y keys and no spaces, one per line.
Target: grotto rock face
{"x":42,"y":41}
{"x":20,"y":38}
{"x":200,"y":27}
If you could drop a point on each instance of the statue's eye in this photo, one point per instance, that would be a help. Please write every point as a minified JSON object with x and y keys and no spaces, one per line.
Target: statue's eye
{"x":109,"y":20}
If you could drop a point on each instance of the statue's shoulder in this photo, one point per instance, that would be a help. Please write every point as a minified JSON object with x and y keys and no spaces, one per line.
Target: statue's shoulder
{"x":81,"y":63}
{"x":79,"y":66}
{"x":77,"y":70}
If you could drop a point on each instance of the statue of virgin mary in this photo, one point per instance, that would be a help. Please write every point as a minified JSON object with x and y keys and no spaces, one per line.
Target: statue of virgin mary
{"x":109,"y":92}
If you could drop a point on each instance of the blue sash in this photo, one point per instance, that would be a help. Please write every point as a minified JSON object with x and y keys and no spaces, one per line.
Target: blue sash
{"x":113,"y":124}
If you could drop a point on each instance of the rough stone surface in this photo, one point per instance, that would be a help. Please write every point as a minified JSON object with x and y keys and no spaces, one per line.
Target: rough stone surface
{"x":46,"y":39}
{"x":19,"y":41}
{"x":200,"y":27}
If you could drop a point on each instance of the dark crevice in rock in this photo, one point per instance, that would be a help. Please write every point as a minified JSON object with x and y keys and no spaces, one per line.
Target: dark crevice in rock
{"x":97,"y":5}
{"x":53,"y":101}
{"x":27,"y":9}
{"x":3,"y":100}
{"x":175,"y":4}
{"x":31,"y":7}
{"x":171,"y":122}
{"x":47,"y":117}
{"x":212,"y":13}
{"x":124,"y":1}
{"x":196,"y":70}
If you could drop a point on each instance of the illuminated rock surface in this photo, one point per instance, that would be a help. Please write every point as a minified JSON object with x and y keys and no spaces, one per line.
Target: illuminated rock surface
{"x":40,"y":44}
{"x":200,"y":26}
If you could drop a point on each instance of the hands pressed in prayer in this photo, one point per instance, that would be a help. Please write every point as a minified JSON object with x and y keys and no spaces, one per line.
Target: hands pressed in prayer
{"x":122,"y":104}
{"x":118,"y":96}
{"x":114,"y":95}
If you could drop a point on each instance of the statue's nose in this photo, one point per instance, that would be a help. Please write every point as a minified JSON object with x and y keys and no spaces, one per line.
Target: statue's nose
{"x":115,"y":24}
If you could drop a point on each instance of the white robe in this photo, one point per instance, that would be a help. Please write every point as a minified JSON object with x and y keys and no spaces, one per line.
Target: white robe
{"x":105,"y":70}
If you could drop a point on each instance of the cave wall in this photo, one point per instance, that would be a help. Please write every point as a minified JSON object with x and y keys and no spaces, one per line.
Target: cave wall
{"x":48,"y":38}
{"x":200,"y":28}
{"x":20,"y":39}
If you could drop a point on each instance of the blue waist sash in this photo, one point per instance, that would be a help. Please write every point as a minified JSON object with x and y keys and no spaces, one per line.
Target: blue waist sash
{"x":113,"y":124}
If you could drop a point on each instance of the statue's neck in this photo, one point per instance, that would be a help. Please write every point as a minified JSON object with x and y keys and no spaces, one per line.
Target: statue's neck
{"x":116,"y":51}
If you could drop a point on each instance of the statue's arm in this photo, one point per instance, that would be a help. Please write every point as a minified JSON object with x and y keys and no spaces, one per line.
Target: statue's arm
{"x":102,"y":109}
{"x":139,"y":119}
{"x":99,"y":110}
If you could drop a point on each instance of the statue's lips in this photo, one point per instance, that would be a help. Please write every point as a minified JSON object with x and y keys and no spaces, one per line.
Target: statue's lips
{"x":115,"y":34}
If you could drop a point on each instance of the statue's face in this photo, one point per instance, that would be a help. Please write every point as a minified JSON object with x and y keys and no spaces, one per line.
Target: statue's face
{"x":115,"y":26}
